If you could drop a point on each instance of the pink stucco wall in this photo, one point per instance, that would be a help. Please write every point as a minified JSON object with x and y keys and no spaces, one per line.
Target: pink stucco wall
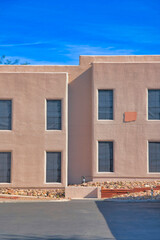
{"x":28,"y":86}
{"x":29,"y":140}
{"x":130,"y":83}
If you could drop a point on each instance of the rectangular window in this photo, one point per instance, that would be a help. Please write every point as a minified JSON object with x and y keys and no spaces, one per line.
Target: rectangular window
{"x":5,"y":114}
{"x":105,"y":104}
{"x":154,"y":156}
{"x":53,"y":114}
{"x":53,"y":168}
{"x":154,"y":104}
{"x":5,"y":167}
{"x":105,"y":156}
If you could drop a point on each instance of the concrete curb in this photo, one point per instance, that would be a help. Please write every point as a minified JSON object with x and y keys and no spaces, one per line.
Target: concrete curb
{"x":34,"y":201}
{"x":82,"y":199}
{"x":8,"y":196}
{"x":87,"y":199}
{"x":115,"y":200}
{"x":25,"y":198}
{"x":132,"y":201}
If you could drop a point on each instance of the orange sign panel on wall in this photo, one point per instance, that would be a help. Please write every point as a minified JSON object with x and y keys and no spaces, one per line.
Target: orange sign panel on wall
{"x":130,"y":116}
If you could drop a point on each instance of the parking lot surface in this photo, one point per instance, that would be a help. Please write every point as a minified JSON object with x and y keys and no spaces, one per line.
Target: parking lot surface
{"x":79,"y":219}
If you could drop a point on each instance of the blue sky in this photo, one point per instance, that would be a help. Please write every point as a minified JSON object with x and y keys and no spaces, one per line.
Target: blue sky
{"x":57,"y":32}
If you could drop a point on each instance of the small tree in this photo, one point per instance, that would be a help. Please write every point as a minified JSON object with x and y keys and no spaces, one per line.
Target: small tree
{"x":7,"y":61}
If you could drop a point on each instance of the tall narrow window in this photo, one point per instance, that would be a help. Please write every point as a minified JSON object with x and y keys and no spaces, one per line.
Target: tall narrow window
{"x":154,"y":104}
{"x":53,"y":168}
{"x":154,"y":156}
{"x":53,"y":114}
{"x":105,"y":156}
{"x":105,"y":104}
{"x":5,"y":167}
{"x":5,"y":114}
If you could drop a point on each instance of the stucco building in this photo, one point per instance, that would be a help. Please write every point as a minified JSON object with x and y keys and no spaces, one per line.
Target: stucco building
{"x":100,"y":120}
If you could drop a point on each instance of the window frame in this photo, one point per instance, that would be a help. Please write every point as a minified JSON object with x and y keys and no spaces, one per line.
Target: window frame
{"x":150,"y":89}
{"x":113,"y":163}
{"x":113,"y":107}
{"x":51,"y":99}
{"x":45,"y":168}
{"x":11,"y":119}
{"x":148,"y":160}
{"x":8,"y":151}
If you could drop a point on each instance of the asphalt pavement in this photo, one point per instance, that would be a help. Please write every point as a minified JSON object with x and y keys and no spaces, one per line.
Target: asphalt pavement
{"x":80,"y":220}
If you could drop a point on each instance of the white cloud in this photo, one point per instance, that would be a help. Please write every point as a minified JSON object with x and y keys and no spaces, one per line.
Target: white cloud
{"x":21,"y":44}
{"x":33,"y":61}
{"x":72,"y":52}
{"x":75,"y":50}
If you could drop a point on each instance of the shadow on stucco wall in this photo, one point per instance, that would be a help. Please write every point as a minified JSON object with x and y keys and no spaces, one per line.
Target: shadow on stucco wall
{"x":79,"y":127}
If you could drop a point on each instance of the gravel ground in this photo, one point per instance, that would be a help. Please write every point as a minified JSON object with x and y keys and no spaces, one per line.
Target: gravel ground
{"x":120,"y":184}
{"x":128,"y":185}
{"x":139,"y":196}
{"x":59,"y":194}
{"x":32,"y":193}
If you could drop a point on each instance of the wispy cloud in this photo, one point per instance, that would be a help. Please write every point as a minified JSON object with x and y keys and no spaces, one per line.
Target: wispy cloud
{"x":58,"y":33}
{"x":73,"y":51}
{"x":70,"y":54}
{"x":21,"y":44}
{"x":33,"y":61}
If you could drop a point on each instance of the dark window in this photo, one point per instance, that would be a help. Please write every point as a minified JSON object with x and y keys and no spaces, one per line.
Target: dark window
{"x":154,"y":104}
{"x":105,"y":156}
{"x":105,"y":104}
{"x":53,"y":173}
{"x":154,"y":157}
{"x":5,"y":167}
{"x":53,"y":114}
{"x":5,"y":114}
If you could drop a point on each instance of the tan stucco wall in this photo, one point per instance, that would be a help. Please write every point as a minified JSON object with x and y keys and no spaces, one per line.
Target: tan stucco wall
{"x":79,"y":115}
{"x":28,"y":140}
{"x":130,"y":76}
{"x":130,"y":83}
